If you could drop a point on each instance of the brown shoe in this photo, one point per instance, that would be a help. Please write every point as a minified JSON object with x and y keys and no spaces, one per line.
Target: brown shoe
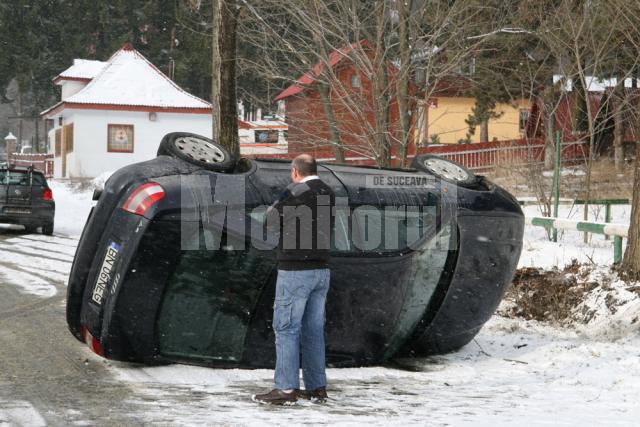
{"x":276,"y":397}
{"x":318,"y":395}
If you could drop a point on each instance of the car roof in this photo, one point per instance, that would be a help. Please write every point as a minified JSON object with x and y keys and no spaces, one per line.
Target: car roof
{"x":19,"y":169}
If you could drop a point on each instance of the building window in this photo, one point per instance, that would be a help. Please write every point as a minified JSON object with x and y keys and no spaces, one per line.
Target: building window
{"x":523,"y":119}
{"x":355,"y":80}
{"x":120,"y":138}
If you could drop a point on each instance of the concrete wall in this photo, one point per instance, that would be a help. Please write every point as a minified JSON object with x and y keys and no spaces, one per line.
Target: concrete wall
{"x":90,"y":157}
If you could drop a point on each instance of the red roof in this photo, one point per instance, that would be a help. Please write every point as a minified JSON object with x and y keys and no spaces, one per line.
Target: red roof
{"x":334,"y":58}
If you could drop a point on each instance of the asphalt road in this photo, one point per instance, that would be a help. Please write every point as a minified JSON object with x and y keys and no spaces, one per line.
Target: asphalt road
{"x":47,"y":377}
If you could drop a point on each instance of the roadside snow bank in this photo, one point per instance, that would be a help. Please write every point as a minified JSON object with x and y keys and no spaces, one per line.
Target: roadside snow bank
{"x":611,"y":310}
{"x":73,"y":204}
{"x":593,"y":301}
{"x":99,"y":181}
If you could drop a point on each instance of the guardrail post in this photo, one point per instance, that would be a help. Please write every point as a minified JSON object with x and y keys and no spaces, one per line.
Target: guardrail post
{"x":556,"y":184}
{"x":617,"y":249}
{"x":607,"y":216}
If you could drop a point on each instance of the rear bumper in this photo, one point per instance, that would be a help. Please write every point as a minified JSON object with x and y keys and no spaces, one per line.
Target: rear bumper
{"x":36,"y":216}
{"x":123,"y":231}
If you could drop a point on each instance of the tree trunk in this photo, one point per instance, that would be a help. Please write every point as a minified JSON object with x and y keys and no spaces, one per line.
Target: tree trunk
{"x":380,"y":87}
{"x":20,"y":127}
{"x":631,"y":260}
{"x":216,"y":60}
{"x":324,"y":89}
{"x":580,"y":108}
{"x":484,"y":130}
{"x":403,"y":80}
{"x":618,"y":129}
{"x":36,"y":143}
{"x":590,"y":157}
{"x":228,"y":104}
{"x":549,"y":140}
{"x":334,"y":133}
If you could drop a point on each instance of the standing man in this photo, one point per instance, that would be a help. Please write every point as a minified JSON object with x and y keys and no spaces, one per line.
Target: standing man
{"x":305,"y":209}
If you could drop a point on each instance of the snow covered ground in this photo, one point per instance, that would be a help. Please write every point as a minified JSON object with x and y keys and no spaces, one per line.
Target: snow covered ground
{"x":514,"y":372}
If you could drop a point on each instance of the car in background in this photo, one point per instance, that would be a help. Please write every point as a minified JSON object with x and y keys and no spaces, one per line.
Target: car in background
{"x":145,"y":285}
{"x":26,"y":199}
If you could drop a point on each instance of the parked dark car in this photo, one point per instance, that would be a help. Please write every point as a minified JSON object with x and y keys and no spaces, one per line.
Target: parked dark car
{"x":26,"y":199}
{"x":146,"y":286}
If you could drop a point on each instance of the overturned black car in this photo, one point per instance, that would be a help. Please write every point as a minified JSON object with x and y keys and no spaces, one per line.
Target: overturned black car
{"x":174,"y":264}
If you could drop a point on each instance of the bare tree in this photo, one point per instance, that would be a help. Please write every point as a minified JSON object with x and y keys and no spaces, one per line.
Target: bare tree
{"x":399,"y":49}
{"x":218,"y":26}
{"x":630,"y":22}
{"x":227,"y":103}
{"x":581,"y":35}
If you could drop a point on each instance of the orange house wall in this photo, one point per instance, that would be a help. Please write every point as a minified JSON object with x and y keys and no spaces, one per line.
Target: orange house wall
{"x":309,"y":127}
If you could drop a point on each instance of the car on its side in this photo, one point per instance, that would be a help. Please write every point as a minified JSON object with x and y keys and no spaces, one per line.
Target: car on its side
{"x":420,"y":259}
{"x":26,"y":199}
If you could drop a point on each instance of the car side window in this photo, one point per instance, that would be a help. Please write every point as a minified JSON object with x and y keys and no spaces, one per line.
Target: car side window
{"x":38,"y":179}
{"x":392,"y":228}
{"x":21,"y":178}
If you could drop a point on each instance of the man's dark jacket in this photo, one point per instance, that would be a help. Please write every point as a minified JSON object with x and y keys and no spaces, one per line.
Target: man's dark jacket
{"x":306,"y":222}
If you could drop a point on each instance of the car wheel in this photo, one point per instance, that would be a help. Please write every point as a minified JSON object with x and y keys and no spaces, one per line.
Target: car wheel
{"x":444,"y":169}
{"x":197,"y":150}
{"x":47,"y":229}
{"x":30,"y":229}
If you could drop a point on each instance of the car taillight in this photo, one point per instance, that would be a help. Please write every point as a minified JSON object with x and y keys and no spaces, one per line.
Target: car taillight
{"x":93,"y":343}
{"x":143,"y":198}
{"x":47,"y":194}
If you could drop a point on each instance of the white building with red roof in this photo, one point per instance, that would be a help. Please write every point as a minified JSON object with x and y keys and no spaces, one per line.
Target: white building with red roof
{"x":115,"y":113}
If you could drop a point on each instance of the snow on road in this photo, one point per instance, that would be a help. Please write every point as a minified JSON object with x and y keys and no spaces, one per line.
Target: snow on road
{"x":35,"y":263}
{"x":514,"y":372}
{"x":20,"y":413}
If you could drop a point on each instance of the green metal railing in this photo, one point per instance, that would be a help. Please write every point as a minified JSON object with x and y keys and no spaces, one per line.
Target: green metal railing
{"x":619,"y":231}
{"x":607,"y":203}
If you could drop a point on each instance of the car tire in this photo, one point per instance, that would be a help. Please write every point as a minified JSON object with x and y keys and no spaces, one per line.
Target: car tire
{"x":30,"y":229}
{"x":444,"y":169}
{"x":47,"y":229}
{"x":197,"y":150}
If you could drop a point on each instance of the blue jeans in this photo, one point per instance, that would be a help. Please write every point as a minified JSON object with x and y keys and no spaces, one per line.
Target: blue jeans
{"x":298,"y":322}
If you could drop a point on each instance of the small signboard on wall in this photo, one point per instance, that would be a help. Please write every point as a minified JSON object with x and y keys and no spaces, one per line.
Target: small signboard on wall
{"x":266,"y":136}
{"x":120,"y":139}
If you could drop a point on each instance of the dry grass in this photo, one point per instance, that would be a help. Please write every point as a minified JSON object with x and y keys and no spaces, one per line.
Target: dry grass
{"x":605,"y":182}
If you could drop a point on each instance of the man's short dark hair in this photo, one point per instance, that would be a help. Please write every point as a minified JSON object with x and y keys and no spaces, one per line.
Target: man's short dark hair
{"x":305,"y":165}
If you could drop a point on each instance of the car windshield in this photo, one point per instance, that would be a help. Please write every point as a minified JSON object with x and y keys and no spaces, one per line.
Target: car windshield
{"x":23,"y":178}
